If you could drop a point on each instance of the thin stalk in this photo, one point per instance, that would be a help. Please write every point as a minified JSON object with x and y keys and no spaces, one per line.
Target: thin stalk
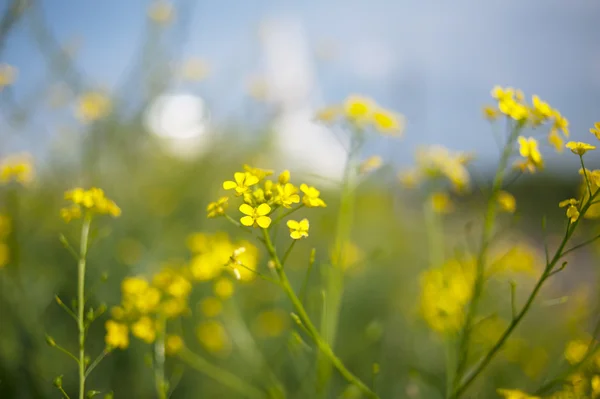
{"x":96,"y":362}
{"x":159,"y":361}
{"x":287,"y":213}
{"x":83,"y":248}
{"x":288,"y":252}
{"x":323,"y":346}
{"x":220,"y":375}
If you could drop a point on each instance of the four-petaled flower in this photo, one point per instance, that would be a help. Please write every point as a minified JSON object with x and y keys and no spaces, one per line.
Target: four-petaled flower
{"x":528,"y":148}
{"x":242,"y":182}
{"x":287,"y":195}
{"x":311,"y":197}
{"x":572,"y":211}
{"x":579,"y":148}
{"x":298,"y":229}
{"x":217,"y":208}
{"x":256,"y":216}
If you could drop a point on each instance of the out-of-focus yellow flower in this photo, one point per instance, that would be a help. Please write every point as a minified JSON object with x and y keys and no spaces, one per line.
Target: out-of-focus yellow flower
{"x":409,"y":178}
{"x":144,"y":329}
{"x":329,"y":114}
{"x":258,"y":172}
{"x":211,"y":307}
{"x":217,"y":208}
{"x":441,"y":202}
{"x":213,"y":337}
{"x":287,"y":194}
{"x":507,"y":202}
{"x":359,"y":109}
{"x":271,"y":323}
{"x":249,"y":259}
{"x":195,"y":70}
{"x":8,"y":75}
{"x":579,"y":148}
{"x":541,"y":111}
{"x":18,"y":168}
{"x":596,"y":385}
{"x":173,"y":307}
{"x":556,"y":140}
{"x":298,"y":229}
{"x":510,"y":258}
{"x":438,"y":162}
{"x":349,"y":255}
{"x":490,"y":113}
{"x":117,"y":335}
{"x":93,"y":200}
{"x":70,"y":213}
{"x":370,"y":164}
{"x":528,"y":148}
{"x":161,"y":12}
{"x":560,"y":123}
{"x":256,"y":216}
{"x":311,"y":197}
{"x":173,"y":344}
{"x":515,"y":394}
{"x":576,"y":350}
{"x":284,"y":177}
{"x":572,"y":211}
{"x":510,"y":103}
{"x":242,"y":182}
{"x":223,"y":288}
{"x":596,"y":130}
{"x":139,"y":296}
{"x":93,"y":106}
{"x":387,"y":122}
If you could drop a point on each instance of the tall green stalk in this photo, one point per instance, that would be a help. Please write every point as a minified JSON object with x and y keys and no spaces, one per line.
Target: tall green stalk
{"x":83,"y":248}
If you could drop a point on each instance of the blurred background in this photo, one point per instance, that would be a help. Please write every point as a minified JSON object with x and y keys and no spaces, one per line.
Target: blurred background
{"x":159,"y":102}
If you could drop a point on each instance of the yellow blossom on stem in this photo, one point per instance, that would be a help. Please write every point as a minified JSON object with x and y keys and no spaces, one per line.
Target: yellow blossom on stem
{"x":507,"y":202}
{"x":213,"y":336}
{"x":441,"y":203}
{"x":144,"y":329}
{"x":596,"y":130}
{"x":223,"y":288}
{"x":579,"y":148}
{"x":284,"y":177}
{"x":258,"y":172}
{"x":298,"y":229}
{"x":217,"y":208}
{"x":256,"y":216}
{"x":358,"y":109}
{"x":490,"y":113}
{"x":370,"y":164}
{"x":93,"y":106}
{"x":93,"y":200}
{"x":572,"y":211}
{"x":173,"y":344}
{"x":560,"y":123}
{"x":287,"y":195}
{"x":117,"y":335}
{"x":528,"y":148}
{"x":556,"y":140}
{"x":387,"y":122}
{"x":18,"y":168}
{"x":70,"y":213}
{"x":242,"y":182}
{"x":311,"y":197}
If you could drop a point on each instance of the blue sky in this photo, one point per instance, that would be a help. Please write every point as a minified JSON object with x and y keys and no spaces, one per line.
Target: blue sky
{"x":434,"y":61}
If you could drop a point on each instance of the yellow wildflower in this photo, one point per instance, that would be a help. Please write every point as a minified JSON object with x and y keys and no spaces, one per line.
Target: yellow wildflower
{"x":93,"y":106}
{"x":213,"y":337}
{"x":387,"y":122}
{"x":258,"y":172}
{"x":248,"y":258}
{"x":144,"y":329}
{"x":8,"y":75}
{"x":173,"y":344}
{"x":287,"y":194}
{"x":311,"y":197}
{"x":242,"y":182}
{"x":358,"y":109}
{"x":298,"y":229}
{"x":217,"y":208}
{"x":502,"y":94}
{"x":437,"y":162}
{"x":211,"y":307}
{"x":576,"y":351}
{"x":596,"y":385}
{"x":515,"y":394}
{"x":579,"y":148}
{"x":490,"y":113}
{"x":93,"y":200}
{"x":441,"y":202}
{"x":256,"y":216}
{"x":161,"y":12}
{"x":370,"y":164}
{"x":271,"y":323}
{"x":17,"y":168}
{"x":528,"y":148}
{"x":507,"y":202}
{"x":173,"y":307}
{"x":596,"y":130}
{"x":284,"y":177}
{"x":223,"y":288}
{"x":556,"y":140}
{"x":117,"y":335}
{"x":572,"y":211}
{"x":70,"y":213}
{"x":560,"y":123}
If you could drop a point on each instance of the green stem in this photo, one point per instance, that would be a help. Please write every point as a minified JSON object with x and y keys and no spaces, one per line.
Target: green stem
{"x":220,"y":375}
{"x":286,"y":214}
{"x":288,"y":252}
{"x":323,"y":346}
{"x":96,"y":362}
{"x":159,"y":361}
{"x":85,"y":232}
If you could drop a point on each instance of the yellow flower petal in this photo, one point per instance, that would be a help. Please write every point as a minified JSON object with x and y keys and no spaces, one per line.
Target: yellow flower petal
{"x":263,"y":209}
{"x":228,"y":185}
{"x":247,"y":221}
{"x":292,"y":224}
{"x":264,"y":221}
{"x":247,"y":209}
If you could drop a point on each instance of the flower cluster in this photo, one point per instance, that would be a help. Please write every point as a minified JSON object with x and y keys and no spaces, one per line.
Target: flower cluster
{"x":18,"y":168}
{"x":92,"y":200}
{"x":5,"y":228}
{"x":146,"y":305}
{"x":363,"y":112}
{"x":263,"y":198}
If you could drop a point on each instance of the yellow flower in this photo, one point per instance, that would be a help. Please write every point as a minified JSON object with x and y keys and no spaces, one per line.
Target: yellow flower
{"x":437,"y":162}
{"x":541,"y":108}
{"x":501,"y":94}
{"x":8,"y":75}
{"x":490,"y":113}
{"x":329,"y":114}
{"x":93,"y":106}
{"x":387,"y":122}
{"x":17,"y":168}
{"x":556,"y":140}
{"x":271,"y":323}
{"x":507,"y":202}
{"x":70,"y":213}
{"x":144,"y":330}
{"x":561,"y":123}
{"x":579,"y":148}
{"x":515,"y":394}
{"x":117,"y":335}
{"x":242,"y":182}
{"x":576,"y":351}
{"x":258,"y":172}
{"x":596,"y":130}
{"x":93,"y":200}
{"x":284,"y":177}
{"x":311,"y":197}
{"x":528,"y":148}
{"x":596,"y":384}
{"x":256,"y":216}
{"x":213,"y":337}
{"x":223,"y":288}
{"x":441,"y":202}
{"x":217,"y":208}
{"x":211,"y":307}
{"x":287,"y":195}
{"x":358,"y":109}
{"x":370,"y":164}
{"x":298,"y":229}
{"x":161,"y":12}
{"x":173,"y":344}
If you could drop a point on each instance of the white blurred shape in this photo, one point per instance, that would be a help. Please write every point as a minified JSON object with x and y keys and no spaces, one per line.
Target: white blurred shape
{"x":302,"y":145}
{"x":181,"y":121}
